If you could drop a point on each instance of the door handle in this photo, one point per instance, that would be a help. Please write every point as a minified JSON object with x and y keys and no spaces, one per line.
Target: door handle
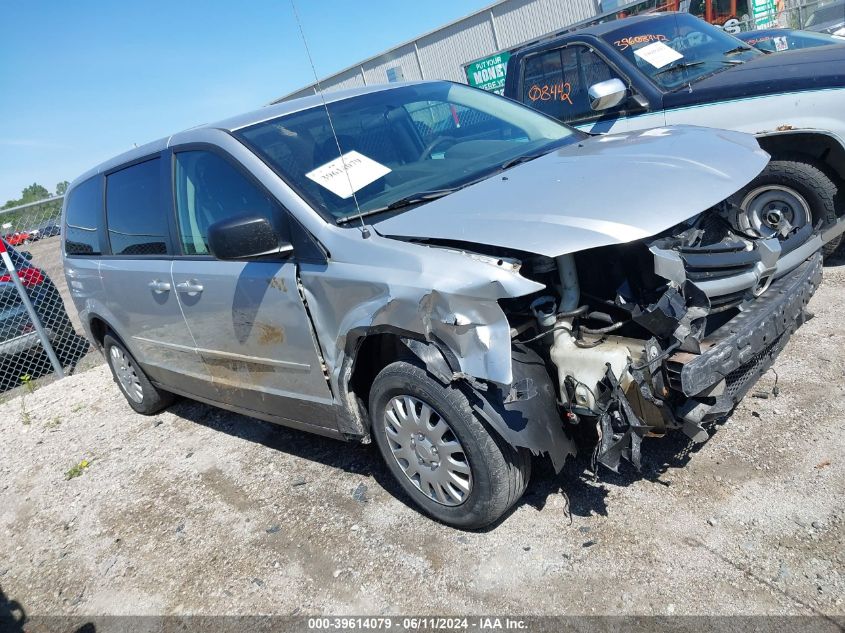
{"x":192,"y":287}
{"x":158,"y":286}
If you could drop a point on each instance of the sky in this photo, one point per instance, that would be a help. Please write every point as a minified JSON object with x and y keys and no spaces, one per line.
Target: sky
{"x":83,"y":81}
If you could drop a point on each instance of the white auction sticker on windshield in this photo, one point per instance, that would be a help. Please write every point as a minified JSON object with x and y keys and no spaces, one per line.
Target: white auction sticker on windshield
{"x":658,"y":54}
{"x":348,"y":173}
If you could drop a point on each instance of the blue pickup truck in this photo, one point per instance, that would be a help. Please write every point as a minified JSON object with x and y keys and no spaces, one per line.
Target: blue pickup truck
{"x":667,"y":69}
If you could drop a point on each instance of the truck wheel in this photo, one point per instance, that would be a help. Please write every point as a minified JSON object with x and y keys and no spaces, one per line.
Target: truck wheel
{"x":133,"y":382}
{"x":441,"y":454}
{"x":788,"y":190}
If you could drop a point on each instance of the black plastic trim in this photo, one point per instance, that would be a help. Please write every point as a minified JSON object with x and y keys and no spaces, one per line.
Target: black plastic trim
{"x":777,"y":313}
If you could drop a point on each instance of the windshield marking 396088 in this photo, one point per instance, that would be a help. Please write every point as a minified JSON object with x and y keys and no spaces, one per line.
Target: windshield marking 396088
{"x":658,"y":46}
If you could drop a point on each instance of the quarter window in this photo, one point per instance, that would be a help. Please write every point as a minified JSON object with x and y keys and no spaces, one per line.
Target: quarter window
{"x":135,"y":216}
{"x":557,"y":82}
{"x":84,"y":214}
{"x":210,"y":189}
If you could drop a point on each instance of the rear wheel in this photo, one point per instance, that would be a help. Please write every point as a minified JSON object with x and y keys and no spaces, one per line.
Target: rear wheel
{"x":133,"y":382}
{"x":788,"y":191}
{"x":441,"y":454}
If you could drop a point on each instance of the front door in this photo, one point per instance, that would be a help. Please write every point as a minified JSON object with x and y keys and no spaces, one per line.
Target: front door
{"x":247,"y":318}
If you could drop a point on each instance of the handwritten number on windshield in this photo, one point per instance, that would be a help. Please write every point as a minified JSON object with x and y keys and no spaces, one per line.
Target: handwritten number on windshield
{"x":627,"y":42}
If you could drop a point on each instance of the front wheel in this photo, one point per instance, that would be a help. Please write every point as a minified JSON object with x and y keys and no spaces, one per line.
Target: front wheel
{"x":441,"y":454}
{"x":788,"y":193}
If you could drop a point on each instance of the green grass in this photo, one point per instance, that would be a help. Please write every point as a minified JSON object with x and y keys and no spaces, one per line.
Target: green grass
{"x":77,"y":470}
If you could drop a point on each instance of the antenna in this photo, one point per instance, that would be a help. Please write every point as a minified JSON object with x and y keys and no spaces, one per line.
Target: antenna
{"x":365,"y":233}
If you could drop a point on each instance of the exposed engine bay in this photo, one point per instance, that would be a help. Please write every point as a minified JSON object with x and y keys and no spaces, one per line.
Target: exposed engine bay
{"x":668,"y":332}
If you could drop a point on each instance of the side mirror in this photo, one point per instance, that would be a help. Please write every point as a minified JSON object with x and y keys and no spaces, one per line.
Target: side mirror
{"x":607,"y":94}
{"x":245,"y":237}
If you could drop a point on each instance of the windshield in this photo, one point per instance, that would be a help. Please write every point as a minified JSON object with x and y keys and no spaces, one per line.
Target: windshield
{"x":776,"y":41}
{"x":677,"y":49}
{"x":400,"y":146}
{"x":827,"y":13}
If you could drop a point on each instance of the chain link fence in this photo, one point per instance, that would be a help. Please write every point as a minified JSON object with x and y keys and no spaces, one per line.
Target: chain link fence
{"x":40,"y":332}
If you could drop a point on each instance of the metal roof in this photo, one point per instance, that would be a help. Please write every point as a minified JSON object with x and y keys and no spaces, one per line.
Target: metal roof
{"x":442,"y":53}
{"x":397,"y":46}
{"x":597,"y":30}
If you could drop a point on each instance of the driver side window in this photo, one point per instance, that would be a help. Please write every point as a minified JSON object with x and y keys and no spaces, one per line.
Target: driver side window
{"x":209,"y":189}
{"x":557,"y":82}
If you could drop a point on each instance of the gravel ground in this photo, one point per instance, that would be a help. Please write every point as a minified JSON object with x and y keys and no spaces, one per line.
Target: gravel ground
{"x":201,"y":511}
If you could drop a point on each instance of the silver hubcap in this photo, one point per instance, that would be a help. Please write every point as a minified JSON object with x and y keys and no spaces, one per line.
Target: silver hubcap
{"x":126,"y":375}
{"x":770,"y":208}
{"x":427,"y":450}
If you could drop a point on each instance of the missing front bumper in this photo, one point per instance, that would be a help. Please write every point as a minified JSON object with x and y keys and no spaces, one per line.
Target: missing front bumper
{"x":739,"y":352}
{"x":707,"y":386}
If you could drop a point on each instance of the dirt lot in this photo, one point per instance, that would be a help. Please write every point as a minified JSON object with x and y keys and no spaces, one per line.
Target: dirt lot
{"x":201,"y":511}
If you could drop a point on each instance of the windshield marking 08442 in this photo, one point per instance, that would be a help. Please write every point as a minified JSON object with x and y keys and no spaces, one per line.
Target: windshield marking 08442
{"x":403,"y":146}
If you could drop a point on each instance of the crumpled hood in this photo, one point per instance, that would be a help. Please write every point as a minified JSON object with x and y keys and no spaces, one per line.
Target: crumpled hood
{"x":603,"y":190}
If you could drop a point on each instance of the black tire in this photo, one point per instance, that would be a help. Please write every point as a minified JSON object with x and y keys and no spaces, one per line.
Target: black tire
{"x":499,"y":472}
{"x":152,"y":399}
{"x":808,"y":180}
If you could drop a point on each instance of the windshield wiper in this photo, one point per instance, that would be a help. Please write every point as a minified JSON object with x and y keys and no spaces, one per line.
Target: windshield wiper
{"x":401,"y":203}
{"x":681,"y":66}
{"x":427,"y":196}
{"x":520,"y":159}
{"x":738,"y":49}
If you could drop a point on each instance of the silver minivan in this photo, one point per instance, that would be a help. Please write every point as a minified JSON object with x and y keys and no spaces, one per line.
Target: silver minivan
{"x":457,"y":277}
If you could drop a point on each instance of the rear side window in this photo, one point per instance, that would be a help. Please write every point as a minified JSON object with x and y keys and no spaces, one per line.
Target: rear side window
{"x":83,"y":217}
{"x":135,"y":215}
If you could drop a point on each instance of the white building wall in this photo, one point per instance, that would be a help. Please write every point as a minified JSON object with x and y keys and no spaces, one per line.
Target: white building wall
{"x":443,"y":54}
{"x":520,"y":21}
{"x":375,"y":70}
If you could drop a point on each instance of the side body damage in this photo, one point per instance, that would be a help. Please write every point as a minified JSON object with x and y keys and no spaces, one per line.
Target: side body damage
{"x":621,"y":341}
{"x":458,"y":332}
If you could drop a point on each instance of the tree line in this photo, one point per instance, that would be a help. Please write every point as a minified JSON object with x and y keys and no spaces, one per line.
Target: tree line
{"x":36,"y":192}
{"x":30,"y":218}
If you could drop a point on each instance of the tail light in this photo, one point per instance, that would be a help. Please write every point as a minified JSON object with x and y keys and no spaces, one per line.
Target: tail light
{"x":29,"y":276}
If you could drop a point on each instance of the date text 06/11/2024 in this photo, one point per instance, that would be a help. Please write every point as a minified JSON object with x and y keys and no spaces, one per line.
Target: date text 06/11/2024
{"x":421,"y":623}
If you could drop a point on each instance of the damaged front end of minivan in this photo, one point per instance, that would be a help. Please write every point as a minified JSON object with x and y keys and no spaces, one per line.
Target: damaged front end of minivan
{"x":570,"y":305}
{"x":671,"y":331}
{"x":630,"y":340}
